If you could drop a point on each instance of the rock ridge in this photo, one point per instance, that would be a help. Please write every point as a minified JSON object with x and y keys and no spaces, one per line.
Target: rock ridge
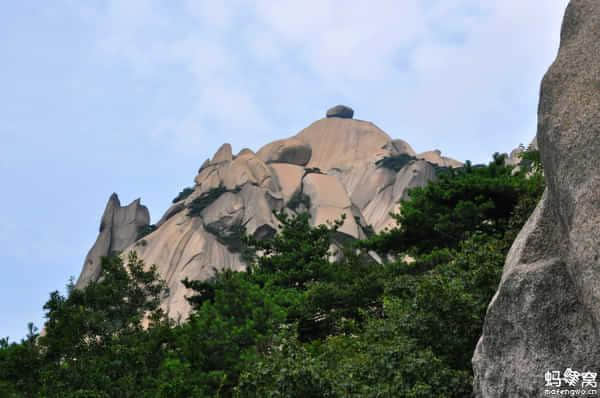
{"x":329,"y":169}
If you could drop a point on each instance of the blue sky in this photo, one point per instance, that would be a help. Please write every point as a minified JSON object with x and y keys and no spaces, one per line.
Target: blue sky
{"x":131,"y":96}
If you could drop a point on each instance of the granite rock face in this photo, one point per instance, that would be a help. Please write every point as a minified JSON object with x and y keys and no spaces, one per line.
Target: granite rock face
{"x":341,"y":143}
{"x":545,"y":315}
{"x":331,"y":168}
{"x":436,"y":157}
{"x":118,"y":230}
{"x":329,"y":201}
{"x":224,"y":154}
{"x":401,"y":147}
{"x":291,"y":151}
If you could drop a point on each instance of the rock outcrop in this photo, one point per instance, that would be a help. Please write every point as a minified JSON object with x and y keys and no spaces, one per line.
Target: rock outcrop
{"x":224,"y":154}
{"x":342,"y":111}
{"x":341,"y":143}
{"x":119,"y":228}
{"x":400,"y":147}
{"x":329,"y":169}
{"x":514,"y":157}
{"x":436,"y":158}
{"x":329,"y":201}
{"x":545,"y":315}
{"x":289,"y":178}
{"x":291,"y":151}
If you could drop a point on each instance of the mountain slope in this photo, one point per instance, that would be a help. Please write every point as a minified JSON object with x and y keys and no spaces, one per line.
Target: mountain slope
{"x":336,"y":166}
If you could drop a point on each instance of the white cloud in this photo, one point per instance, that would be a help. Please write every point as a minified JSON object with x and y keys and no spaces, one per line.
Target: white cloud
{"x":356,"y":41}
{"x":426,"y":70}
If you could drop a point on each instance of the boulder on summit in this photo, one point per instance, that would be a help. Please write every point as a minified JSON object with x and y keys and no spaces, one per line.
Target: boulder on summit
{"x":342,"y":111}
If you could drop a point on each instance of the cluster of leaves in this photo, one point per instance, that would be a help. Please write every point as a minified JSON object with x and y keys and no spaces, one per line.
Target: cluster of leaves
{"x":145,"y":230}
{"x":94,"y":344}
{"x":234,"y":238}
{"x":367,"y":229}
{"x":395,"y":162}
{"x":530,"y":160}
{"x":298,"y":200}
{"x":187,"y":191}
{"x":413,"y":337}
{"x":313,"y":170}
{"x":296,"y":324}
{"x":417,"y":335}
{"x":461,"y":202}
{"x":197,"y":205}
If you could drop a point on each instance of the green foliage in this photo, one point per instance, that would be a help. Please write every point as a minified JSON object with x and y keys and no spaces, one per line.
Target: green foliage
{"x":378,"y":362}
{"x":419,"y":344}
{"x":116,"y":303}
{"x":94,"y":340}
{"x":531,"y":160}
{"x":20,"y":366}
{"x":294,"y":283}
{"x":459,"y":203}
{"x":299,"y":199}
{"x":297,"y":323}
{"x":367,"y":229}
{"x":233,"y":238}
{"x":297,"y":255}
{"x":206,"y":199}
{"x":187,"y":191}
{"x":396,"y":162}
{"x":230,"y":325}
{"x":325,"y":293}
{"x":443,"y":308}
{"x":342,"y":298}
{"x":310,"y":170}
{"x":145,"y":230}
{"x":94,"y":344}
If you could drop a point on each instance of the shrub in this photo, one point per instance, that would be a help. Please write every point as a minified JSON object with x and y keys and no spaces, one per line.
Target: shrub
{"x":183,"y":194}
{"x":298,"y":199}
{"x":233,"y":239}
{"x":145,"y":230}
{"x":395,"y":162}
{"x":205,"y":200}
{"x":314,"y":170}
{"x":531,"y":161}
{"x":446,"y":211}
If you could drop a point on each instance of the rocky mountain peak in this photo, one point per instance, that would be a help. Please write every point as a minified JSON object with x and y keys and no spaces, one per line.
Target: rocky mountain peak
{"x":119,"y":229}
{"x":334,"y":167}
{"x":223,"y":154}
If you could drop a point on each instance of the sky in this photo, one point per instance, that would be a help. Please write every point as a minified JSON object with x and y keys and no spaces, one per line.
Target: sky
{"x":132,"y":96}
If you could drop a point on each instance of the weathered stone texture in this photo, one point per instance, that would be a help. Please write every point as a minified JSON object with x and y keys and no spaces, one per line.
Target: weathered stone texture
{"x":546,"y":312}
{"x":118,"y":229}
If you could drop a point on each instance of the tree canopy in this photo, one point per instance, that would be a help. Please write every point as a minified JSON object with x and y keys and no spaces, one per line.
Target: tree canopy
{"x":302,"y":321}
